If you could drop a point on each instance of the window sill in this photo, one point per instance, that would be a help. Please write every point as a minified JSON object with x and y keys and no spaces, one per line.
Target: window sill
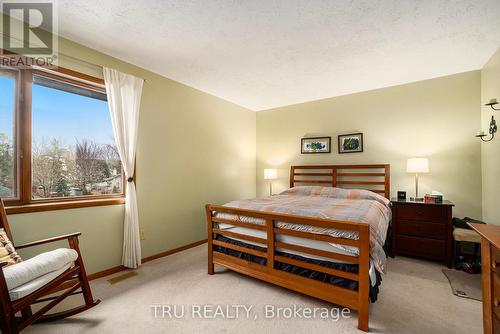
{"x":63,"y":205}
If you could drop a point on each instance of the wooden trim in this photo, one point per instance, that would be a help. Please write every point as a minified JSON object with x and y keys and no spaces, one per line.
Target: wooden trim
{"x":271,"y":243}
{"x":73,"y":77}
{"x":364,"y":278}
{"x":173,"y":251}
{"x":48,"y":240}
{"x":107,"y":272}
{"x":361,"y":182}
{"x":117,"y":269}
{"x":75,"y":80}
{"x":52,"y":206}
{"x":25,"y":137}
{"x":312,"y":181}
{"x":23,"y":202}
{"x":358,"y":174}
{"x":364,"y":166}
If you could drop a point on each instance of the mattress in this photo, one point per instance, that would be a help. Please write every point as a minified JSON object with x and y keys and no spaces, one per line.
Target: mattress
{"x":297,"y":270}
{"x":314,"y":244}
{"x":322,"y":202}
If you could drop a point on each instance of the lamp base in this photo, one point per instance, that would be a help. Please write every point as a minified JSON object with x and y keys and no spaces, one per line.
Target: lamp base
{"x":417,"y":199}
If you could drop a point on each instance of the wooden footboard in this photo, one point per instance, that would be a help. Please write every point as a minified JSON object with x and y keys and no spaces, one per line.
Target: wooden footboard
{"x":356,"y":300}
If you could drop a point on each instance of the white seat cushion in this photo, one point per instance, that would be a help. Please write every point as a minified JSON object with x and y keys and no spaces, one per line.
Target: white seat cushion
{"x":21,"y":273}
{"x":37,"y":283}
{"x":463,"y":234}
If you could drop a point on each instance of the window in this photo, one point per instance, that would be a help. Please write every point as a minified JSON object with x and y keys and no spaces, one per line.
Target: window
{"x":57,"y":148}
{"x":8,"y":186}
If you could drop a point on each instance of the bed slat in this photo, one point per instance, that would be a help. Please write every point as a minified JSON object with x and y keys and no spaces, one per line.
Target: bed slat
{"x":312,"y":181}
{"x":361,"y":182}
{"x":239,"y":248}
{"x":316,"y":267}
{"x":239,"y":223}
{"x":312,"y":251}
{"x":315,"y":236}
{"x":240,"y":236}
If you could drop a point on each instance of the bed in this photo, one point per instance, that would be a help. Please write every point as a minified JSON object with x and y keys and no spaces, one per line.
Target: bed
{"x":323,"y":237}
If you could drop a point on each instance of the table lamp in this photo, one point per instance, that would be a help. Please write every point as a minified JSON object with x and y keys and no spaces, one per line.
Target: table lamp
{"x":417,"y":165}
{"x":270,"y":174}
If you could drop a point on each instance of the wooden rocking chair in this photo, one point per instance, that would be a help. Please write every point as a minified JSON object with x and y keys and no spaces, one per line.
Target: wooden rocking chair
{"x":71,"y":280}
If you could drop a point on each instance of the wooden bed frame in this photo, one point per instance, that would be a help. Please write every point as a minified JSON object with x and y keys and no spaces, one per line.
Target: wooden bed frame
{"x":373,"y":177}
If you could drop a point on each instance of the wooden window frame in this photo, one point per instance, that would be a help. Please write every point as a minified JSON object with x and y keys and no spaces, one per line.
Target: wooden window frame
{"x":23,"y":201}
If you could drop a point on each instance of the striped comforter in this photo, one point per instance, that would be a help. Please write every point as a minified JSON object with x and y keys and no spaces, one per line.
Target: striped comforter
{"x":332,"y":203}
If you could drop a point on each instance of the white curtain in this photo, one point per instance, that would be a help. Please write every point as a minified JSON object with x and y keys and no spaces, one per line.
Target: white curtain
{"x":124,"y":100}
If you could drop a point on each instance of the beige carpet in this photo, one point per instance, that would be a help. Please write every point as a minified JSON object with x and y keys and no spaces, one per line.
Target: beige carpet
{"x":415,"y":298}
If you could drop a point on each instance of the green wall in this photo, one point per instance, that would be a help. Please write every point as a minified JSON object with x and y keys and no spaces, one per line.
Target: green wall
{"x":434,"y":118}
{"x":490,"y":152}
{"x":193,"y":148}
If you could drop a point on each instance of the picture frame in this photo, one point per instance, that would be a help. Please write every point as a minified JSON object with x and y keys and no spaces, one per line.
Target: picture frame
{"x":351,"y":143}
{"x":313,"y":145}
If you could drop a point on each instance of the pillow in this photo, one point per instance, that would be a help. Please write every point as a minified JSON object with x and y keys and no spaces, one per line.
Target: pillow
{"x":7,"y":252}
{"x":334,"y":192}
{"x":38,"y":266}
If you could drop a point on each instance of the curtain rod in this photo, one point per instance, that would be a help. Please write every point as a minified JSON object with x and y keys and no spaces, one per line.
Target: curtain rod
{"x":68,"y":56}
{"x":86,"y":61}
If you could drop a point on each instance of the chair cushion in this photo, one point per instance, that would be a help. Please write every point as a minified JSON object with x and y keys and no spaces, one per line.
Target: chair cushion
{"x":7,"y":252}
{"x":28,"y":270}
{"x":37,"y":283}
{"x":462,"y":234}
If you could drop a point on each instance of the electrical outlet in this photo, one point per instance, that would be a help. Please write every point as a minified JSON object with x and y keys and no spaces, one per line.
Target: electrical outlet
{"x":142,"y":235}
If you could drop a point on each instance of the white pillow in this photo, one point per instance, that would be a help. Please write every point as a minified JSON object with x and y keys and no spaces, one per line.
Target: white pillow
{"x":23,"y":272}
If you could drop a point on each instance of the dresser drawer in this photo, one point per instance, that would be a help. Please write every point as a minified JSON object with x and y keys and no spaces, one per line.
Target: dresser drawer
{"x":422,"y":229}
{"x":435,"y":249}
{"x":426,"y":213}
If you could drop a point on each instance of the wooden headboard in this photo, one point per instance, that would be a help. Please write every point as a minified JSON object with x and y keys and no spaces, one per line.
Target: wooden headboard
{"x":375,"y":178}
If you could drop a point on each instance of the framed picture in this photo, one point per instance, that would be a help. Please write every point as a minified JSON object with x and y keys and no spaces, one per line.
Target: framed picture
{"x":351,"y":143}
{"x":315,"y":145}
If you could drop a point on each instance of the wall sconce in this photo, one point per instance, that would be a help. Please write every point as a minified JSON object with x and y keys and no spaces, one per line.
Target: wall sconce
{"x":492,"y":131}
{"x":492,"y":103}
{"x":493,"y":124}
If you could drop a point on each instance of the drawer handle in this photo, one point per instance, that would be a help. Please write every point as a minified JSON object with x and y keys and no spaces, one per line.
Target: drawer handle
{"x":495,"y":302}
{"x":495,"y":264}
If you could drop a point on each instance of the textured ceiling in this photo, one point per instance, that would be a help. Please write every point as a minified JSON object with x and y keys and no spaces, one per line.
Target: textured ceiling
{"x":263,"y":54}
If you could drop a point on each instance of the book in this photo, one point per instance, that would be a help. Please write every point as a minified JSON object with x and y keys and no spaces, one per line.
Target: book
{"x":433,"y":199}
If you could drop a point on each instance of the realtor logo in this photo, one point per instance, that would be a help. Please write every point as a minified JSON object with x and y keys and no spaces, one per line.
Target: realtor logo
{"x":29,"y":29}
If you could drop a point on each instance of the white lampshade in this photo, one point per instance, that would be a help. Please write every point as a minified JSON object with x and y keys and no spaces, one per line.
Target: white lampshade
{"x":417,"y":165}
{"x":270,"y":174}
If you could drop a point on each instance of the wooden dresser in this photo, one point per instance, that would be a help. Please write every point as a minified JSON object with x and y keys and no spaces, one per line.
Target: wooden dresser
{"x":490,"y":276}
{"x":422,"y":230}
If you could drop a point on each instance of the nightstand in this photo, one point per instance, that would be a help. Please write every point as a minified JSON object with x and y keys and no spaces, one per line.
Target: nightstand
{"x":422,"y":230}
